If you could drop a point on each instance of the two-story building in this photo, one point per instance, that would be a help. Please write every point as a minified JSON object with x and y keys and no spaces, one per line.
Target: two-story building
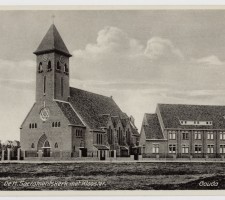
{"x":184,"y":131}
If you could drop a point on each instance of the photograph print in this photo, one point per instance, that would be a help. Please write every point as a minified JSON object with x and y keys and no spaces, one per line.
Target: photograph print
{"x":112,"y":99}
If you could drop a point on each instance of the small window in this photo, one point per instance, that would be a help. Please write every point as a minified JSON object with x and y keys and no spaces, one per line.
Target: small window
{"x":222,"y":148}
{"x":198,"y":148}
{"x":40,"y":68}
{"x":155,"y":148}
{"x":56,"y":145}
{"x":210,"y":148}
{"x":49,"y":66}
{"x":58,"y":124}
{"x":35,"y":125}
{"x":172,"y":135}
{"x":29,"y":125}
{"x":62,"y":86}
{"x":44,"y":85}
{"x":185,"y":135}
{"x":58,"y":67}
{"x":53,"y":124}
{"x":185,"y":149}
{"x":32,"y":125}
{"x":198,"y":135}
{"x":32,"y":145}
{"x":172,"y":148}
{"x":66,"y":69}
{"x":210,"y":135}
{"x":222,"y":135}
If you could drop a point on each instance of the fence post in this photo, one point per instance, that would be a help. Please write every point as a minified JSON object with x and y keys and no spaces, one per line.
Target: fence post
{"x":18,"y":154}
{"x":3,"y":155}
{"x":8,"y":153}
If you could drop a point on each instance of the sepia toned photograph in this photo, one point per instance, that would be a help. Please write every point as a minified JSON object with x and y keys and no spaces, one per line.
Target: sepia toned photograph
{"x":112,"y":99}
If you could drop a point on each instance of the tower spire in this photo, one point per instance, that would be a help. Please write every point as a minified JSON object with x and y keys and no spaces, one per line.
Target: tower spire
{"x":53,"y":18}
{"x":52,"y":42}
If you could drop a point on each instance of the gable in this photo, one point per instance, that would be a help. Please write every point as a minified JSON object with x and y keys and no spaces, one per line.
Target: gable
{"x":152,"y":127}
{"x":91,"y":107}
{"x":70,"y":113}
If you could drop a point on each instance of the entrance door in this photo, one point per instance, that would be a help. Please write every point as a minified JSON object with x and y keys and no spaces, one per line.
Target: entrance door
{"x":102,"y":155}
{"x":46,"y":149}
{"x":46,"y":152}
{"x":83,"y":152}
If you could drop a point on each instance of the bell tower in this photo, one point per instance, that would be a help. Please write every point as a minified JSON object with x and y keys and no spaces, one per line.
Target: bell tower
{"x":52,"y":71}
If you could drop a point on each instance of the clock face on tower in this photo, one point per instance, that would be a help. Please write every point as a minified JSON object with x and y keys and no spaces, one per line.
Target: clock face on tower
{"x":44,"y":114}
{"x":62,"y":59}
{"x":45,"y":57}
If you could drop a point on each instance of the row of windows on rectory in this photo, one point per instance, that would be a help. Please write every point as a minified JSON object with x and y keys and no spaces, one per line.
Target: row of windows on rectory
{"x":59,"y":68}
{"x":198,"y":135}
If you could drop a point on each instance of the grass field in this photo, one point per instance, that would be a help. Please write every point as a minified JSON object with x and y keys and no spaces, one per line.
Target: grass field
{"x":111,"y":176}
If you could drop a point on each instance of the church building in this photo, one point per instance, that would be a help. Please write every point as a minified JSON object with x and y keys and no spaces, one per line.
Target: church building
{"x":66,"y":122}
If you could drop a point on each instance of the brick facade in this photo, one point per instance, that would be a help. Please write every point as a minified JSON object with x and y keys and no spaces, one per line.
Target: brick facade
{"x":66,"y":122}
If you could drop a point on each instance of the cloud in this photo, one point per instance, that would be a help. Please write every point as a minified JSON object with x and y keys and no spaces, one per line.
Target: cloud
{"x":138,"y":74}
{"x":210,"y":61}
{"x":110,"y":40}
{"x":162,"y":50}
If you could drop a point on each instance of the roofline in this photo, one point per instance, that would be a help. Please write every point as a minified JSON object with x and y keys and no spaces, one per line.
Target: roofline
{"x":76,"y":125}
{"x":188,"y":104}
{"x":156,"y":139}
{"x":50,"y":51}
{"x":193,"y":129}
{"x":27,"y":115}
{"x":85,"y":125}
{"x":95,"y":130}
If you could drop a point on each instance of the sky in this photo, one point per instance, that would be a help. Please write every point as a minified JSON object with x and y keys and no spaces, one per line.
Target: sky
{"x":141,"y":58}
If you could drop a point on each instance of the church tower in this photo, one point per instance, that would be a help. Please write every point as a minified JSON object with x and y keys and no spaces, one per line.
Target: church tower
{"x":52,"y":73}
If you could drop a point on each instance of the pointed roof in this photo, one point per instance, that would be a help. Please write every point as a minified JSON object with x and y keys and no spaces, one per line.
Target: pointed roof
{"x":52,"y":41}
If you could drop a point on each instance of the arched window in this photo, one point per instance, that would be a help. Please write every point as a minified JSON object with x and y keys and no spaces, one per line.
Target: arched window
{"x":62,"y":86}
{"x":40,"y":67}
{"x":58,"y":124}
{"x":44,"y":85}
{"x":35,"y":125}
{"x":49,"y":66}
{"x":29,"y":125}
{"x":46,"y":144}
{"x":56,"y":145}
{"x":32,"y":125}
{"x":32,"y":145}
{"x":97,"y":138}
{"x":58,"y":67}
{"x":53,"y":124}
{"x":66,"y":69}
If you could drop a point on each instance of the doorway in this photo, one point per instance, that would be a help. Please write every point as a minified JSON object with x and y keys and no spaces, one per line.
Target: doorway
{"x":46,"y":152}
{"x":46,"y":149}
{"x":102,"y":154}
